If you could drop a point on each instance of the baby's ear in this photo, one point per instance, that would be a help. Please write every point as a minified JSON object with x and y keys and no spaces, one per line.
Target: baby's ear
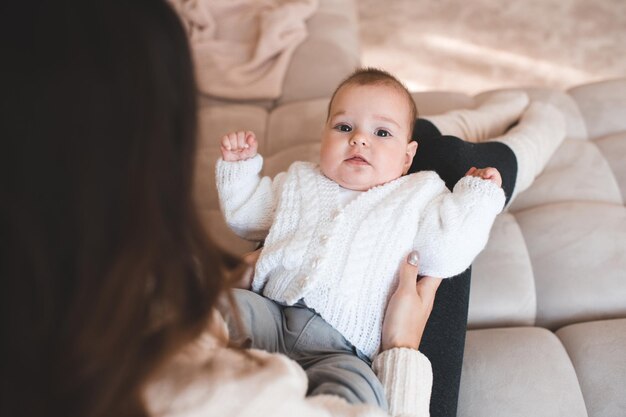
{"x":411,"y":148}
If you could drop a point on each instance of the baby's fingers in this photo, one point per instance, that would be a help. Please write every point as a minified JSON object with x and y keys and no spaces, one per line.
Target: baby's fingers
{"x":491,"y":174}
{"x":239,"y":145}
{"x":488,"y":173}
{"x":251,"y":141}
{"x":471,"y":171}
{"x":236,"y":141}
{"x":225,"y":142}
{"x":230,"y":141}
{"x":497,"y":177}
{"x":241,"y":140}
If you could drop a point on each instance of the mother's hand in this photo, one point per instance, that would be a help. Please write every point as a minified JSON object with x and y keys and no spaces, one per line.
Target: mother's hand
{"x":409,"y":307}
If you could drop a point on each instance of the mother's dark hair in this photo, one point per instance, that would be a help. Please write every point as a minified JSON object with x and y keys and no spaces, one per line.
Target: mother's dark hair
{"x":105,"y":269}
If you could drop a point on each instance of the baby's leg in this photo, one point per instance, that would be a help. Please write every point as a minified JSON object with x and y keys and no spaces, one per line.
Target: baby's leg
{"x":491,"y":118}
{"x":255,"y":322}
{"x":346,"y":376}
{"x":533,"y":140}
{"x":333,"y":366}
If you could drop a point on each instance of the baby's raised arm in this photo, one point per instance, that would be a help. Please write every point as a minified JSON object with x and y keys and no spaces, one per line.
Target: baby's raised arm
{"x":237,"y":146}
{"x":247,"y":200}
{"x":455,"y":225}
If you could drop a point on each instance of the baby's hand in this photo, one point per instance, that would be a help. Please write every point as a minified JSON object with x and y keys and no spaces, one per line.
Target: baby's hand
{"x":489,"y":174}
{"x":237,"y":146}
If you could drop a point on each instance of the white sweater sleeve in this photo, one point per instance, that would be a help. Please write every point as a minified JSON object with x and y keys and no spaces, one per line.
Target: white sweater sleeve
{"x":213,"y":383}
{"x":455,"y":226}
{"x":407,"y":379}
{"x":247,"y":201}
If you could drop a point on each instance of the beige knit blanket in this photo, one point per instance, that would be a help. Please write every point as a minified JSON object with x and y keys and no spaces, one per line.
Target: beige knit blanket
{"x":242,"y":48}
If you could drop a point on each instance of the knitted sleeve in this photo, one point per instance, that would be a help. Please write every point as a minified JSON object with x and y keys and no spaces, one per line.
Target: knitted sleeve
{"x":455,"y":226}
{"x":247,"y":200}
{"x":407,"y":379}
{"x":211,"y":380}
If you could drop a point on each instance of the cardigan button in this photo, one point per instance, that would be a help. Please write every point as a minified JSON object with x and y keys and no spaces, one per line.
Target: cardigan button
{"x":323,"y":238}
{"x":305,"y":283}
{"x":337,"y":214}
{"x":315,"y":263}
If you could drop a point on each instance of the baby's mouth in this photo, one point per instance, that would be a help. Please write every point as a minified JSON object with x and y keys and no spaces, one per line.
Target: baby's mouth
{"x":357,"y":159}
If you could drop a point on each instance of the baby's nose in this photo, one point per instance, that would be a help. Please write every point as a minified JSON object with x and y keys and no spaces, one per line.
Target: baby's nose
{"x":358,"y":139}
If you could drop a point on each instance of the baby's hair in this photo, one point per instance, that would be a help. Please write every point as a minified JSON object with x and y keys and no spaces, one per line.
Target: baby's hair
{"x":375,"y":76}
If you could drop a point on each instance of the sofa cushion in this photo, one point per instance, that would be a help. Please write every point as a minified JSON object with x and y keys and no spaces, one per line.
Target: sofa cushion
{"x":598,"y":351}
{"x":503,"y":285}
{"x":602,"y":106}
{"x":296,"y":123}
{"x":518,"y":372}
{"x":321,"y":62}
{"x":577,"y":255}
{"x":437,"y":102}
{"x":280,"y":161}
{"x":567,"y":177}
{"x":613,"y":148}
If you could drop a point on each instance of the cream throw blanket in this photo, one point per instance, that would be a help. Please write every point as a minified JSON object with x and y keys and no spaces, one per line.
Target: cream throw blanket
{"x":242,"y":48}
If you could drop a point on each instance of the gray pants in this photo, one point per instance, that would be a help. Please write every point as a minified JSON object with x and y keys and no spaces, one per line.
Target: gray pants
{"x":332,"y":364}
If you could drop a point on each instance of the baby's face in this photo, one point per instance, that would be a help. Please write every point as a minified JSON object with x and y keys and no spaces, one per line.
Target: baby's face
{"x":366,"y":138}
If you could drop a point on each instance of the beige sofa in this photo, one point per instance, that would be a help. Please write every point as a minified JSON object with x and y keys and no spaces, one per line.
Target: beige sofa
{"x":547,"y":320}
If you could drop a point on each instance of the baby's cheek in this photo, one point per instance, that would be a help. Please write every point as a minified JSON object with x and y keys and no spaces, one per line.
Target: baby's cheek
{"x":327,"y":168}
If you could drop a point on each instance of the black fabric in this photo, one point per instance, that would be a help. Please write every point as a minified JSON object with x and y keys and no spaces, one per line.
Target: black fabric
{"x":443,"y":341}
{"x":452,"y":157}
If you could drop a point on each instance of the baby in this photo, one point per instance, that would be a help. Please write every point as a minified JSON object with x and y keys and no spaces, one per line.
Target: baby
{"x":336,"y":232}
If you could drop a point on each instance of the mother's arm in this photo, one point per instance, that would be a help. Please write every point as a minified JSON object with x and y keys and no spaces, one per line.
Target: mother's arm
{"x":405,"y":372}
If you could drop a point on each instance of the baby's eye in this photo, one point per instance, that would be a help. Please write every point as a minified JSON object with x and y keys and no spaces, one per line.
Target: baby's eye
{"x":382,"y":133}
{"x":343,"y":127}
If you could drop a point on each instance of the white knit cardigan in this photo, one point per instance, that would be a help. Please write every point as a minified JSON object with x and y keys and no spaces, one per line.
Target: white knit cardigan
{"x":343,"y":262}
